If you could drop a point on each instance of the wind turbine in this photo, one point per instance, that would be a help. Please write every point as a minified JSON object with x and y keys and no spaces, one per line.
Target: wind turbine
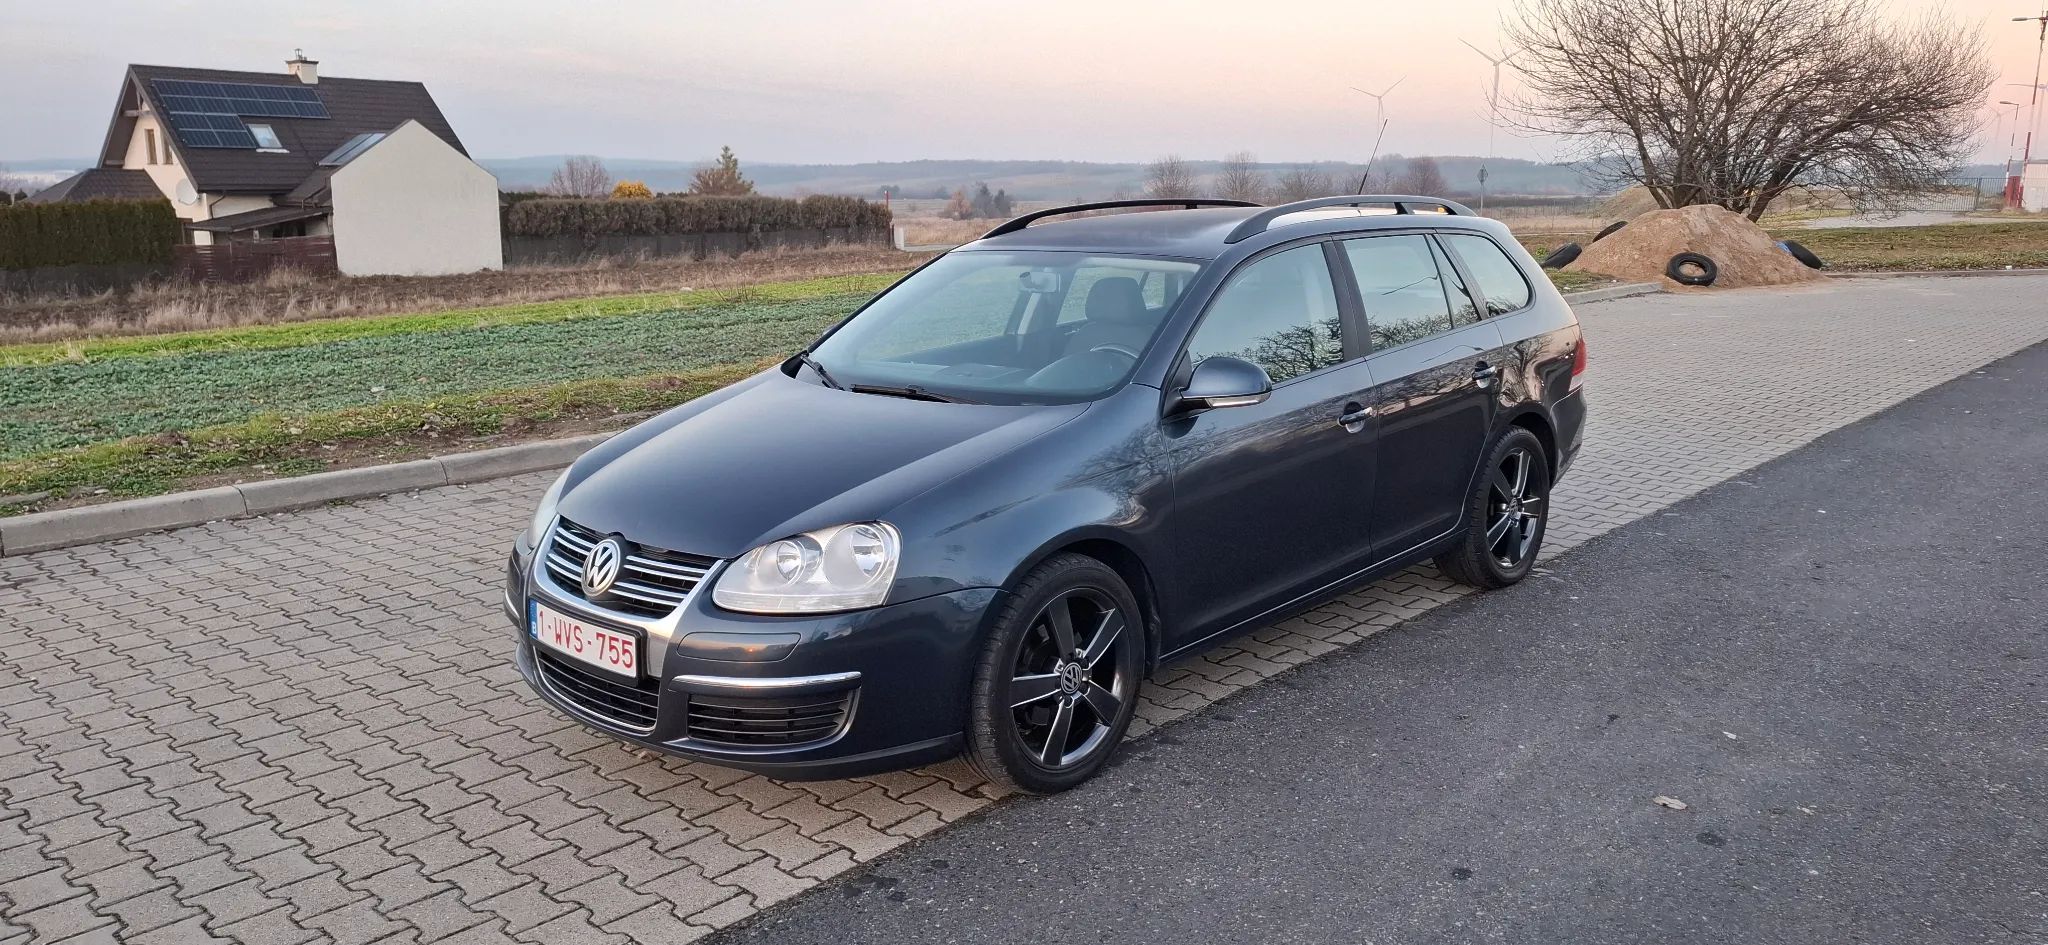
{"x":1379,"y":123}
{"x":1493,"y":110}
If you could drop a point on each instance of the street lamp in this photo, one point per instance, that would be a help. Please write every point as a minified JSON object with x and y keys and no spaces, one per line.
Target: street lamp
{"x":2015,"y":184}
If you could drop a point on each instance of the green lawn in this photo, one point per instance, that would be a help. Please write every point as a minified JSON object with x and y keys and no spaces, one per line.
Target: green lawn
{"x":50,"y":406}
{"x":1946,"y":247}
{"x":144,"y":415}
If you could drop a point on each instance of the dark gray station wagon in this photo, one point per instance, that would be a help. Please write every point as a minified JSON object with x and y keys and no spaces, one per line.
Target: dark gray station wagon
{"x":973,"y":515}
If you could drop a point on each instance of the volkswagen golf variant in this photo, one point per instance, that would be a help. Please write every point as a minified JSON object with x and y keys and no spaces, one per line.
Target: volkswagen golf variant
{"x":973,"y":515}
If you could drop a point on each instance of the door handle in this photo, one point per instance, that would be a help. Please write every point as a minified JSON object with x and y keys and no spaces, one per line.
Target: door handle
{"x":1354,"y":416}
{"x":1485,"y":375}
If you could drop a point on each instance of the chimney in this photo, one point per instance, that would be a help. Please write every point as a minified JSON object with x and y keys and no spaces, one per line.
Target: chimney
{"x":307,"y":70}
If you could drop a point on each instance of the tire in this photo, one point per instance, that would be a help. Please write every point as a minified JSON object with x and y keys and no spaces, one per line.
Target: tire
{"x":1611,"y":229}
{"x":1679,"y":273}
{"x":1024,"y":683}
{"x":1563,"y":256}
{"x":1805,"y":256}
{"x":1490,"y":554}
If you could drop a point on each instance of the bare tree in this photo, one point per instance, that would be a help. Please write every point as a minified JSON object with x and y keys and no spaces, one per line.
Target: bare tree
{"x":1302,"y":182}
{"x":1240,"y":178}
{"x":14,"y":187}
{"x":1422,"y":177}
{"x":1169,"y":177}
{"x":581,"y":175}
{"x":1734,"y":102}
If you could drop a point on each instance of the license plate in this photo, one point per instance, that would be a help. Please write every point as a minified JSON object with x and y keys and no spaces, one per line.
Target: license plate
{"x":602,"y":647}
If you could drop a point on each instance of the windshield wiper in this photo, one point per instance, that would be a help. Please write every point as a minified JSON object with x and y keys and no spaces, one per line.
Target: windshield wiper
{"x":912,"y":392}
{"x":804,"y":358}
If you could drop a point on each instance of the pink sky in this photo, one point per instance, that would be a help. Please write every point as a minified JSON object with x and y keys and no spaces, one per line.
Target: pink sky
{"x":844,"y":80}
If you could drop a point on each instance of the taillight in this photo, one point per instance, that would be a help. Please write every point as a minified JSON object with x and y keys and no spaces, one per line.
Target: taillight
{"x":1579,"y":363}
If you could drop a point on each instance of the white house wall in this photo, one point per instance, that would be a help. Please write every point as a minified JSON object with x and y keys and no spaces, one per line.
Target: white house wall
{"x":2035,"y":194}
{"x":412,"y":205}
{"x":167,"y":173}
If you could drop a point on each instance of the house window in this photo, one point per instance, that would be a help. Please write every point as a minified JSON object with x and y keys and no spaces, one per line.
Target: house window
{"x":149,"y":142}
{"x":266,"y":138}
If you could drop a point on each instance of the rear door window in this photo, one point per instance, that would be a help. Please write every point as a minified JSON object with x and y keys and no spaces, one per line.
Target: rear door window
{"x":1464,"y":305}
{"x":1500,"y":280}
{"x":1401,"y":287}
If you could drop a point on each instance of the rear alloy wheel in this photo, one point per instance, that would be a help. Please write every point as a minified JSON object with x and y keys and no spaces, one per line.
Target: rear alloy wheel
{"x":1057,"y":686}
{"x":1508,"y":509}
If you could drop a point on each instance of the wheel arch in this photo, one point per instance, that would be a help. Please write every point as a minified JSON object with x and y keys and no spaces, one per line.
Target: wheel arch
{"x":1116,"y":552}
{"x":1533,"y":420}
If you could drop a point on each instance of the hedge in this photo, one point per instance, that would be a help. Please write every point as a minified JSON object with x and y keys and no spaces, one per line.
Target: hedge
{"x":95,"y":233}
{"x":674,"y":215}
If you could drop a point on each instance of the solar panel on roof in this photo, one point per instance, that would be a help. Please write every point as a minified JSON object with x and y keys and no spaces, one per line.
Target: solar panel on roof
{"x":350,"y":148}
{"x":209,"y":114}
{"x":237,"y":98}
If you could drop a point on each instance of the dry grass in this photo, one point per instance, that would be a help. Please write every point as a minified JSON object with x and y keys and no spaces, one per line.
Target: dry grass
{"x":295,"y":296}
{"x":939,"y":231}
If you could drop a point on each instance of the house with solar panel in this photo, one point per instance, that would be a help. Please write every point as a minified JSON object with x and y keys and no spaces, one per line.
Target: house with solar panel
{"x":370,"y":163}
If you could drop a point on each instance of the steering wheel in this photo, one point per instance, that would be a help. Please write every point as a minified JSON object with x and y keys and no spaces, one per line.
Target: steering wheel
{"x":1116,"y":349}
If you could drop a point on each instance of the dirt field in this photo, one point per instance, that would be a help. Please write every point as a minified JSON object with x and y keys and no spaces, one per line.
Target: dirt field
{"x":295,"y":296}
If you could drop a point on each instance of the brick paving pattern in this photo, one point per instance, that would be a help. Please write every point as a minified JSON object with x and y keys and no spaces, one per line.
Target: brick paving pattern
{"x":306,"y":728}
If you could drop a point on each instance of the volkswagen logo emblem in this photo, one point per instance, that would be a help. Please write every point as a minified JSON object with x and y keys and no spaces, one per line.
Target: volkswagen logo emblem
{"x":1072,"y":677}
{"x":602,"y":567}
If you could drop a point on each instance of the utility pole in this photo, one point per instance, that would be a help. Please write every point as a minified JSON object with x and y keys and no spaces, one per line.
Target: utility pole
{"x":2015,"y":185}
{"x":2011,"y":124}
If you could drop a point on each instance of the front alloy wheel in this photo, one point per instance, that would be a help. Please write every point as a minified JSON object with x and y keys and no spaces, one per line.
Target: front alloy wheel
{"x":1059,"y":680}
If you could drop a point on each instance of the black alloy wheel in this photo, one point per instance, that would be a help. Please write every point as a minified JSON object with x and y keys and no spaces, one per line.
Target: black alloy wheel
{"x":1065,"y":695}
{"x":1514,"y":508}
{"x":1505,"y":515}
{"x":1059,"y":682}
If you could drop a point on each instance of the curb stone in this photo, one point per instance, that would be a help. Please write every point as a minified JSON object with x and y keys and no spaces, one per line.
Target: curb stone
{"x":62,"y":528}
{"x":43,"y":531}
{"x":1611,"y":292}
{"x":1939,"y":274}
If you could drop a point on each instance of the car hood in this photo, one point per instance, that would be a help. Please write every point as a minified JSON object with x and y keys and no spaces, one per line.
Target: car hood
{"x":773,"y":456}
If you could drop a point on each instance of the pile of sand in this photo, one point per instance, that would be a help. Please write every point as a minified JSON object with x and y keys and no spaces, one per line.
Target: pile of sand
{"x":1640,"y":251}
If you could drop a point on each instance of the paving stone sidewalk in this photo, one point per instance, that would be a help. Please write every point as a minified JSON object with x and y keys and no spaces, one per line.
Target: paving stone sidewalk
{"x":305,"y":729}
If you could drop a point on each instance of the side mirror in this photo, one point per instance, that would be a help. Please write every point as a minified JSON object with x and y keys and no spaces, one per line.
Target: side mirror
{"x":1225,"y":382}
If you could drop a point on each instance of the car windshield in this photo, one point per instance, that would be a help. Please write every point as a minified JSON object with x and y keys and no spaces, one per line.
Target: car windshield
{"x":1008,"y":327}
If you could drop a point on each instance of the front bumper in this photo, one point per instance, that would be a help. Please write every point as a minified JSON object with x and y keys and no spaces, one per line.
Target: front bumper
{"x":901,"y":671}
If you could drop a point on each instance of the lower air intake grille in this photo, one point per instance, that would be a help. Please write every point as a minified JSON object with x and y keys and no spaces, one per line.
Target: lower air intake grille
{"x":768,"y":721}
{"x":631,"y":705}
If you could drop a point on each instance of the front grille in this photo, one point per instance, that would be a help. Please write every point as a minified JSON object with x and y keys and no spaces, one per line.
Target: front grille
{"x":631,"y":705}
{"x":651,"y":583}
{"x":768,"y":721}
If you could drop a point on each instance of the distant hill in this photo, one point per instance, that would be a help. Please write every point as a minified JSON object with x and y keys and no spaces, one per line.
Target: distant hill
{"x":1024,"y":180}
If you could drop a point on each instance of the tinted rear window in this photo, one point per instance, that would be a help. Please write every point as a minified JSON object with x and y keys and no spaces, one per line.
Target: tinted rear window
{"x":1500,"y":280}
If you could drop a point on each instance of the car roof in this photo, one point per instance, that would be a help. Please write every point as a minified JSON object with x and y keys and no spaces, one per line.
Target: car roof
{"x":1202,"y":233}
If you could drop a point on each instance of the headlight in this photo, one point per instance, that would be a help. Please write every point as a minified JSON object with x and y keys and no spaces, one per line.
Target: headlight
{"x":545,"y":515}
{"x":846,"y":567}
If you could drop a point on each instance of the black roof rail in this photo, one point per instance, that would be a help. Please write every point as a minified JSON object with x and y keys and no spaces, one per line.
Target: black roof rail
{"x":1262,"y":221}
{"x":1012,"y":226}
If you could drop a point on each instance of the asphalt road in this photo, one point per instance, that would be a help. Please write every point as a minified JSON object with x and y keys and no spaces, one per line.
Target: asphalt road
{"x":1836,"y":662}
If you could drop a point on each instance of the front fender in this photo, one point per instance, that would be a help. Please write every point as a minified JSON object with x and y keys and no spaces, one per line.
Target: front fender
{"x":1097,"y":478}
